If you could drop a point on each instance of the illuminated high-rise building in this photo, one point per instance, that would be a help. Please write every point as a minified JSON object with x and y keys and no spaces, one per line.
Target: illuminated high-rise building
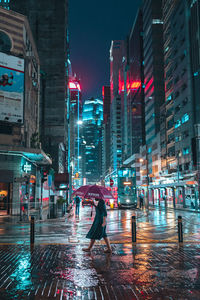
{"x":75,"y":129}
{"x":117,"y":52}
{"x":106,"y":130}
{"x":92,"y":117}
{"x":154,"y":92}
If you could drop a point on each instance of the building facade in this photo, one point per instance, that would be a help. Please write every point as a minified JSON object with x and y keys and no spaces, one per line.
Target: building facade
{"x":106,"y":131}
{"x":48,"y":23}
{"x":117,"y":53}
{"x":75,"y":126}
{"x":20,"y":150}
{"x":153,"y":79}
{"x":178,"y":98}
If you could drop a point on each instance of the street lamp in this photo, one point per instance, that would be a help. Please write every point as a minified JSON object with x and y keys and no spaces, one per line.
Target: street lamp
{"x":141,"y":160}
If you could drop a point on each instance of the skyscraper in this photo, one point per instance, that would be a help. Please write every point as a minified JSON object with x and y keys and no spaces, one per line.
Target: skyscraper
{"x":178,"y":98}
{"x":48,"y":22}
{"x":92,"y":140}
{"x":117,"y":52}
{"x":106,"y":130}
{"x":153,"y":80}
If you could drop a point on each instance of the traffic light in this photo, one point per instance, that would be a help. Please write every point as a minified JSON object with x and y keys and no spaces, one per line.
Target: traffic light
{"x":44,"y":176}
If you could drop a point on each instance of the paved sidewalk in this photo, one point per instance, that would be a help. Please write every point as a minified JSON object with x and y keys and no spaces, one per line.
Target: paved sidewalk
{"x":164,"y":271}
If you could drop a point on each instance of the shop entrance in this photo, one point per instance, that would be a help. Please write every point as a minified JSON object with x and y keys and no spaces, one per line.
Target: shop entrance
{"x":5,"y":199}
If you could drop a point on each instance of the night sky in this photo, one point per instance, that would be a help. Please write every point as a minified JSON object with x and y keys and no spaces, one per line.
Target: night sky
{"x":93,"y":24}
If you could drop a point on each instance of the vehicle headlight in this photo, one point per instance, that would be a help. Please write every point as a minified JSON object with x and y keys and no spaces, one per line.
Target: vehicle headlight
{"x":127,"y":200}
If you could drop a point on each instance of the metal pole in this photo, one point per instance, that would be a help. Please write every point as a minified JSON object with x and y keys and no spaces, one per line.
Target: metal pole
{"x":133,"y":229}
{"x":147,"y":169}
{"x":78,"y":153}
{"x":32,"y":230}
{"x":180,"y":230}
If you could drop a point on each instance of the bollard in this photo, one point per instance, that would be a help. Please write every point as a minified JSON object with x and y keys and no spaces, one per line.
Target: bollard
{"x":32,"y":230}
{"x":133,"y":229}
{"x":180,"y":230}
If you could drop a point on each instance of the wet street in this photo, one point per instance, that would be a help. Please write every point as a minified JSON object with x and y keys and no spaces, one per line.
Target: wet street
{"x":156,"y":267}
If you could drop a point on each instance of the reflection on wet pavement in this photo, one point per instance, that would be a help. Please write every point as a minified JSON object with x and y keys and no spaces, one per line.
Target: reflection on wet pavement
{"x":152,"y":226}
{"x":157,"y":267}
{"x":164,"y":271}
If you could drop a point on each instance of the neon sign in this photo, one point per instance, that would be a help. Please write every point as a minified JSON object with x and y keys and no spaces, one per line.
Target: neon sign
{"x":74,"y":86}
{"x":27,"y":167}
{"x":130,"y":86}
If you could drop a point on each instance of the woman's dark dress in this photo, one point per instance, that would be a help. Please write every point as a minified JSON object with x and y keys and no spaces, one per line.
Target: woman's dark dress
{"x":98,"y":232}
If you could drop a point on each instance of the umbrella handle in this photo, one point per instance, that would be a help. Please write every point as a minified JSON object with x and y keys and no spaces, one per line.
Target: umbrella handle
{"x":91,"y":212}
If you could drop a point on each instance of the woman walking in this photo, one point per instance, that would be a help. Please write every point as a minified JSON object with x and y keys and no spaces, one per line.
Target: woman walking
{"x":98,"y":229}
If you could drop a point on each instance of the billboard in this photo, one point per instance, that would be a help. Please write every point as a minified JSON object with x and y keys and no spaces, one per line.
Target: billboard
{"x":11,"y":88}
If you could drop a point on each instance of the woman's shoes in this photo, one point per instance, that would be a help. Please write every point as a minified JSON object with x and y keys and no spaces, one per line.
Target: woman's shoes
{"x":86,"y":249}
{"x":108,"y":251}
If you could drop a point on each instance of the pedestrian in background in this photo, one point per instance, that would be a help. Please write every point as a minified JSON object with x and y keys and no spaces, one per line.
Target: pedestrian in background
{"x":26,"y":198}
{"x":141,"y":199}
{"x":98,"y":229}
{"x":77,"y":203}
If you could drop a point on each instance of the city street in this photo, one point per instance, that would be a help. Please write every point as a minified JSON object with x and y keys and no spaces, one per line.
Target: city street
{"x":156,"y":267}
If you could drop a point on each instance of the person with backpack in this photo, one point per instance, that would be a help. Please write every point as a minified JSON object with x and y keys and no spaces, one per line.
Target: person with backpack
{"x":77,"y":201}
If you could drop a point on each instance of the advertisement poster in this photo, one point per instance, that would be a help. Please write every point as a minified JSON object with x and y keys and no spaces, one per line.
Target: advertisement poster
{"x":11,"y":88}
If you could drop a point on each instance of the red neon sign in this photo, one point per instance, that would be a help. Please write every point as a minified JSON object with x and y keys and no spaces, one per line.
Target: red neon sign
{"x":134,"y":85}
{"x":74,"y":86}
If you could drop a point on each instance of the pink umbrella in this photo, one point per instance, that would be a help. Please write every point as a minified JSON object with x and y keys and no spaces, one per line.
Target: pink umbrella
{"x":93,"y":191}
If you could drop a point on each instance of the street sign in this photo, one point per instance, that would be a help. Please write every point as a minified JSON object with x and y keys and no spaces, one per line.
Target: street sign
{"x":111,"y":182}
{"x":49,"y":180}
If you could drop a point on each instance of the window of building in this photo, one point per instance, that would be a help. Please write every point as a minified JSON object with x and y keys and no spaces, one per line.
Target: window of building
{"x":185,"y":151}
{"x":177,"y":108}
{"x":176,"y":79}
{"x":184,"y":86}
{"x":176,"y":94}
{"x":185,"y":118}
{"x":169,"y":98}
{"x":185,"y":101}
{"x":185,"y":134}
{"x":178,"y":123}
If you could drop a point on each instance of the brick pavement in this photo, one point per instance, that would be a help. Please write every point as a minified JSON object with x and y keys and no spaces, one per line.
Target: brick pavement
{"x":148,"y":271}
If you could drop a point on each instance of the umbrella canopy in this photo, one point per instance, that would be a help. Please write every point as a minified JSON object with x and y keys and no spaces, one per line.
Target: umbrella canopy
{"x":93,"y":191}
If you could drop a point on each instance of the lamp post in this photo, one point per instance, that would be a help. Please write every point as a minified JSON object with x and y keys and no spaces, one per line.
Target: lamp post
{"x":147,"y":178}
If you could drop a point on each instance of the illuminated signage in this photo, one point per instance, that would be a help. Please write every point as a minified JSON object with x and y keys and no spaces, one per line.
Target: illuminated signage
{"x":130,"y":86}
{"x":74,"y":86}
{"x":127,"y":183}
{"x":11,"y":88}
{"x":27,"y":167}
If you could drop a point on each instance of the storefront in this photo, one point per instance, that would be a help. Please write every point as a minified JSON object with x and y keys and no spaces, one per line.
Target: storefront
{"x":6,"y":187}
{"x":20,"y":178}
{"x":177,"y":195}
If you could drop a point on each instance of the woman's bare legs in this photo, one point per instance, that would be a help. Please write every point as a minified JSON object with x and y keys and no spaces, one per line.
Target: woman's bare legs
{"x":108,"y":245}
{"x":90,"y":246}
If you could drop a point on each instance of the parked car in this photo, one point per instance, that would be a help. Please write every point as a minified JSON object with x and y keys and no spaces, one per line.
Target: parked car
{"x":87,"y":202}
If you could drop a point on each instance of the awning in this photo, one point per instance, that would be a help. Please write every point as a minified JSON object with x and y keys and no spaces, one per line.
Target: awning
{"x":37,"y":156}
